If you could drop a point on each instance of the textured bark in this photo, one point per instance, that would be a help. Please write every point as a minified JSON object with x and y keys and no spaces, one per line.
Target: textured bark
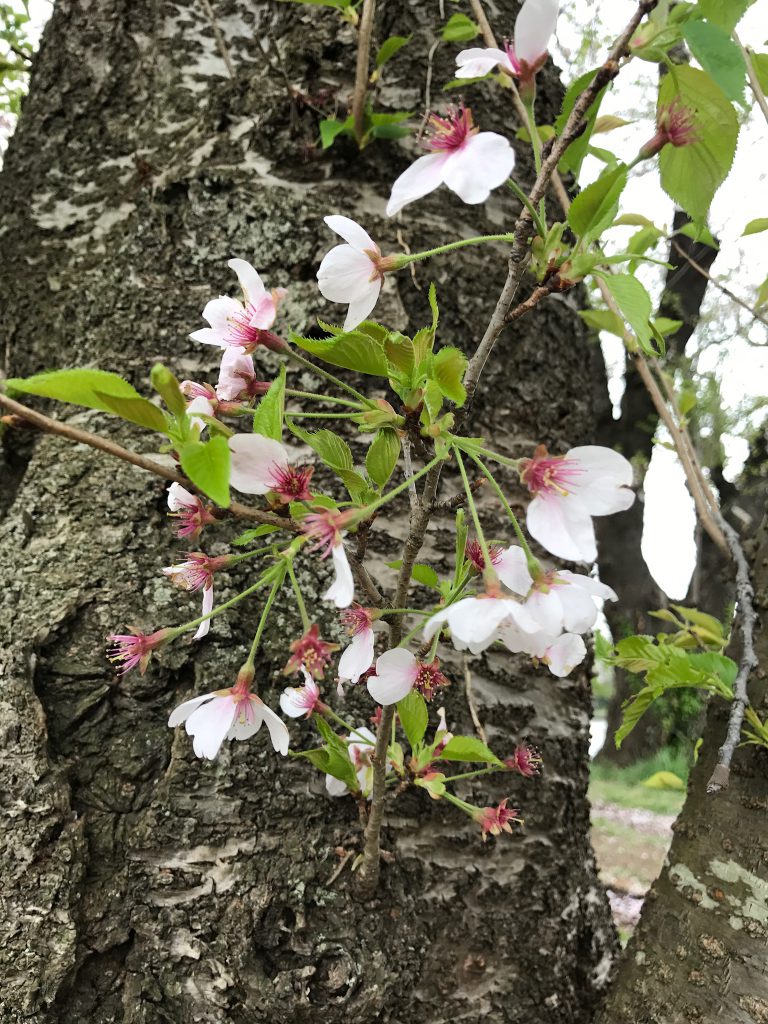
{"x":141,"y":885}
{"x":622,"y":565}
{"x":699,"y":952}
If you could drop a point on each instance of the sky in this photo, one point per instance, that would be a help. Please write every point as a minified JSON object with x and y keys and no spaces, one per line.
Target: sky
{"x":741,"y":362}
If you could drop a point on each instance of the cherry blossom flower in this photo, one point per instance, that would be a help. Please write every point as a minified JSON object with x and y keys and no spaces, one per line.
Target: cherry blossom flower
{"x":189,"y":510}
{"x":310,"y":653}
{"x":470,"y":162}
{"x":237,"y":378}
{"x":357,"y":657}
{"x":260,"y":464}
{"x":523,"y":57}
{"x":352,"y":273}
{"x":561,"y":654}
{"x":568,"y":490}
{"x":360,"y":750}
{"x":232,"y":714}
{"x":505,"y":564}
{"x":495,"y":820}
{"x":557,"y":599}
{"x":675,"y":126}
{"x":398,"y":672}
{"x":134,"y":649}
{"x":296,"y":701}
{"x":475,"y":622}
{"x":325,"y":528}
{"x":197,"y":574}
{"x":526,"y":760}
{"x":242,"y":326}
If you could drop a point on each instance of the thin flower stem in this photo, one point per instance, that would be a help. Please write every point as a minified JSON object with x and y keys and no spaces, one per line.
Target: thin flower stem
{"x":409,"y":636}
{"x":404,"y":611}
{"x":194,"y":623}
{"x":475,"y":517}
{"x":312,"y":396}
{"x":405,"y":259}
{"x":265,"y":615}
{"x":500,"y":494}
{"x":234,"y":559}
{"x":323,"y":415}
{"x":343,"y":722}
{"x":366,"y":512}
{"x":299,"y":598}
{"x":536,"y":147}
{"x":512,"y":184}
{"x":472,"y":775}
{"x":320,"y":372}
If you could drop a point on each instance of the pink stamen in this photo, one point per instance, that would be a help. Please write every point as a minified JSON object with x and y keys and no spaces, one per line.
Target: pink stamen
{"x":548,"y":474}
{"x":450,"y":133}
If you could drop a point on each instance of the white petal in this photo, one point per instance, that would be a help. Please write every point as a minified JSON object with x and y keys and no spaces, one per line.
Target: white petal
{"x":422,"y":177}
{"x":179,"y":497}
{"x":512,"y":569}
{"x":235,"y":371}
{"x":342,"y":590}
{"x":482,"y":164}
{"x":334,"y":786}
{"x":361,"y":308}
{"x":202,"y":629}
{"x":603,"y":479}
{"x":592,"y":586}
{"x":183,"y":711}
{"x":209,"y":725}
{"x":197,"y":406}
{"x":534,"y":28}
{"x":208,"y":336}
{"x":248,"y":719}
{"x":351,"y":232}
{"x":565,"y":654}
{"x":521,"y":617}
{"x":579,"y":608}
{"x":263,"y":312}
{"x":357,"y":657}
{"x":437,"y":621}
{"x":278,"y":731}
{"x":254,"y":458}
{"x":478,"y":60}
{"x":563,"y":526}
{"x":292,"y":702}
{"x":345,"y":274}
{"x":396,"y":672}
{"x":250,"y":282}
{"x":475,"y":620}
{"x":218,"y":311}
{"x":547,"y":610}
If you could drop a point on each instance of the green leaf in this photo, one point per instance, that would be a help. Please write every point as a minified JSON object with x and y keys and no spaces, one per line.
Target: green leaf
{"x":666,"y":326}
{"x":699,"y":233}
{"x":718,"y":55}
{"x":468,"y":748}
{"x":91,"y":388}
{"x":760,"y":65}
{"x":136,"y":410}
{"x":330,"y":129}
{"x":755,"y":226}
{"x":725,"y":13}
{"x":663,"y":780}
{"x":207,"y":466}
{"x":382,"y":456}
{"x":268,"y":417}
{"x":633,"y":712}
{"x":692,"y":174}
{"x":717,"y":665}
{"x":247,"y":536}
{"x":425,"y":575}
{"x":594,"y":209}
{"x":762,"y":294}
{"x":400,"y":352}
{"x":608,"y":123}
{"x":637,"y":653}
{"x":635,"y":305}
{"x":390,"y":47}
{"x":433,"y":399}
{"x":460,"y":29}
{"x":635,"y":220}
{"x":332,"y":449}
{"x":603,"y":320}
{"x":577,"y":150}
{"x":353,"y":350}
{"x":448,"y":369}
{"x":413,"y":714}
{"x":166,"y":385}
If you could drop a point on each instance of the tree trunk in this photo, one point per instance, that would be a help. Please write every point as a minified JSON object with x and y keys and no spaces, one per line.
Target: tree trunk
{"x":142,"y":885}
{"x":699,"y":952}
{"x":622,"y":565}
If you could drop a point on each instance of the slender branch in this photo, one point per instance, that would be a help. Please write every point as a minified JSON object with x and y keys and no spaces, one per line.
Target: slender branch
{"x":718,"y":284}
{"x":218,"y":37}
{"x":754,"y":81}
{"x":375,"y":596}
{"x":50,"y":426}
{"x":361,"y":70}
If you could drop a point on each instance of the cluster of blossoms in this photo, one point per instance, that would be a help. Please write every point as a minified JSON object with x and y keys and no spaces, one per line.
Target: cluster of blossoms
{"x":529,"y":608}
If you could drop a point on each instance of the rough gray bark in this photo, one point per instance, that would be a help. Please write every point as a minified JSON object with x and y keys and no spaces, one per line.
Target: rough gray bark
{"x":140,"y":885}
{"x":699,"y":952}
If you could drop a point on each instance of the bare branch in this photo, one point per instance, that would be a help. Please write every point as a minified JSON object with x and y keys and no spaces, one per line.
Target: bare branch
{"x":718,"y":284}
{"x":362,"y":68}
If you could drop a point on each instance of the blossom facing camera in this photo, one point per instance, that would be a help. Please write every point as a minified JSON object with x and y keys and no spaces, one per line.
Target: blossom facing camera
{"x":522,"y":58}
{"x":310,"y":653}
{"x":469,"y":162}
{"x":352,"y":273}
{"x":242,"y":325}
{"x":398,"y":672}
{"x":230,"y":714}
{"x":568,"y":490}
{"x":526,"y":760}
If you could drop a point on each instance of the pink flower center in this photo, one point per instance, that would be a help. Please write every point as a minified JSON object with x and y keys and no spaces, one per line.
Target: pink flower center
{"x":549,"y":474}
{"x":429,"y":678}
{"x":676,"y":124}
{"x":311,"y":652}
{"x":475,"y":554}
{"x":291,"y":484}
{"x":356,"y":620}
{"x":450,"y":133}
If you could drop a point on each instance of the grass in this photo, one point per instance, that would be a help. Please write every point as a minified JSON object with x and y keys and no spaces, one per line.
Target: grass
{"x":624,"y":786}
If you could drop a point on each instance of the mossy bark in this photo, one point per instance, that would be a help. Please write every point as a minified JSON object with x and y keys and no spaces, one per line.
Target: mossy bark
{"x":140,"y":884}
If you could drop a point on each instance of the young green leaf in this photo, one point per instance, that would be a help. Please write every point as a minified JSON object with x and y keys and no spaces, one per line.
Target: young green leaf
{"x":448,"y":369}
{"x":718,"y":55}
{"x":166,"y":385}
{"x":207,"y":466}
{"x":756,"y":226}
{"x":413,"y":714}
{"x":633,"y":711}
{"x":353,"y":351}
{"x":692,"y":174}
{"x":577,"y":150}
{"x":594,"y":208}
{"x":136,"y":410}
{"x":248,"y":536}
{"x":725,"y":13}
{"x":603,"y":320}
{"x":330,"y":129}
{"x":635,"y":305}
{"x":468,"y":748}
{"x":460,"y":29}
{"x":90,"y":388}
{"x":390,"y":47}
{"x":382,"y":456}
{"x":268,"y":417}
